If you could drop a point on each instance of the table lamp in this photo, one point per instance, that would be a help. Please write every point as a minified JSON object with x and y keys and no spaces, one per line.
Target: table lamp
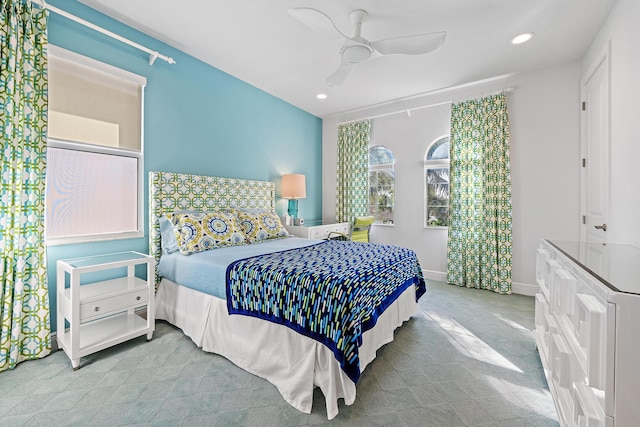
{"x":293,"y":188}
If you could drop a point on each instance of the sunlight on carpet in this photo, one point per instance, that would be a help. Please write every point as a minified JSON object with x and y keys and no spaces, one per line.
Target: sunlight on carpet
{"x":470,"y":345}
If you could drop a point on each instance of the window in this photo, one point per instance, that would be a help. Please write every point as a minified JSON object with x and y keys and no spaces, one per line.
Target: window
{"x":436,"y":172}
{"x":382,"y":178}
{"x":94,"y":154}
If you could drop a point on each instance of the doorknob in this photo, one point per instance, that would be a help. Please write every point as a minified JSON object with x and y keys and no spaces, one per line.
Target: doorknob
{"x":602,"y":227}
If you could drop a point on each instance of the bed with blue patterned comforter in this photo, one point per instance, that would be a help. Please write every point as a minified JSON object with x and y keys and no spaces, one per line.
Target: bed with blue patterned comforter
{"x":288,"y":350}
{"x":330,"y":291}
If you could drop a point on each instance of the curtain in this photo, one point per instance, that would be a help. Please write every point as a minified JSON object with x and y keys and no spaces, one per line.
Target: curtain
{"x":352,"y":198}
{"x":24,"y":301}
{"x":479,"y":243}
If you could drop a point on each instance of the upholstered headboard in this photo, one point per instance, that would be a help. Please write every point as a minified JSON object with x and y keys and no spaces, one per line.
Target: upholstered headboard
{"x":169,"y":192}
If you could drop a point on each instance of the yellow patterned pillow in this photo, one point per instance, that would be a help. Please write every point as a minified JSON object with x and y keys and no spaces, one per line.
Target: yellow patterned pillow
{"x":200,"y":231}
{"x":261,"y":226}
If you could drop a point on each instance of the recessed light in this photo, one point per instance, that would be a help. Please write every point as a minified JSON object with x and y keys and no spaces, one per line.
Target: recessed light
{"x":321,"y":96}
{"x":521,"y":38}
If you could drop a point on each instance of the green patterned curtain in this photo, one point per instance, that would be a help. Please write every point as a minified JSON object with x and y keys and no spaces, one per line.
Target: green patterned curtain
{"x":352,"y":198}
{"x":24,"y":300}
{"x":479,"y":242}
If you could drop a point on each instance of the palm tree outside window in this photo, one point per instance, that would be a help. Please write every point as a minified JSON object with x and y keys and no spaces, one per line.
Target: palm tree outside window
{"x":382,"y":178}
{"x":436,"y":172}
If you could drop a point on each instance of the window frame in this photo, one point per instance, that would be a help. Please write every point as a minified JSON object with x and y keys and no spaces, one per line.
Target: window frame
{"x":383,"y":167}
{"x":429,"y":165}
{"x":82,"y":60}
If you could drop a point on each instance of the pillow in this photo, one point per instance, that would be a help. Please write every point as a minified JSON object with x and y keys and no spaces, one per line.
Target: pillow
{"x":168,"y":240}
{"x":261,"y":226}
{"x":200,"y":231}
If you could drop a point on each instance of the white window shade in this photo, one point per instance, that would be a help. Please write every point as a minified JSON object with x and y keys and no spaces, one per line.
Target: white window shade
{"x":92,"y":106}
{"x":94,"y":158}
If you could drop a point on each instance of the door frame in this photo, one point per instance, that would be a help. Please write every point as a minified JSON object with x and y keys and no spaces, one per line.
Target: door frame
{"x":604,"y":59}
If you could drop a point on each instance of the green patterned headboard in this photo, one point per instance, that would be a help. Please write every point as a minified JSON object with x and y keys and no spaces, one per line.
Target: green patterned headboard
{"x":169,"y":192}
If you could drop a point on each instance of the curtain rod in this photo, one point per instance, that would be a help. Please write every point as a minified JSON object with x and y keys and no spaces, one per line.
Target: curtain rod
{"x":485,"y":94}
{"x":153,"y":55}
{"x":408,"y":111}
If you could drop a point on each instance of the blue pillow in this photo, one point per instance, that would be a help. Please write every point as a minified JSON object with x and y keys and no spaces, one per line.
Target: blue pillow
{"x":169,"y":242}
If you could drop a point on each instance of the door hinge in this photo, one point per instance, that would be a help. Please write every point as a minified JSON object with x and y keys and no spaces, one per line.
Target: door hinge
{"x":584,"y":106}
{"x":584,"y":219}
{"x":584,"y":163}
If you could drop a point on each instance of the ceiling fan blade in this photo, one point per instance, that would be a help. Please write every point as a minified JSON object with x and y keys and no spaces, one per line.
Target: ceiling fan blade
{"x":316,"y":20}
{"x":340,"y":74}
{"x":410,"y":45}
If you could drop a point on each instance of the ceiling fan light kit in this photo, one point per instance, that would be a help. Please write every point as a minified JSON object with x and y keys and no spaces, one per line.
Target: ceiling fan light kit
{"x":357,"y":49}
{"x":355,"y":53}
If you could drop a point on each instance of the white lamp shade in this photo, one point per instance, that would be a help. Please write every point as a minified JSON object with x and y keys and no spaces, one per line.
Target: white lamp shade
{"x":294,"y":186}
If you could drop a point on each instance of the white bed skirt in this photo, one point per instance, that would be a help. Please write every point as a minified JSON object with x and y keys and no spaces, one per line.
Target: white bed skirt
{"x":292,"y":362}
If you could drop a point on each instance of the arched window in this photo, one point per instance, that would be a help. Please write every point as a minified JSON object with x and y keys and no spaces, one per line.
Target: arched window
{"x":382,"y":179}
{"x":436,"y":173}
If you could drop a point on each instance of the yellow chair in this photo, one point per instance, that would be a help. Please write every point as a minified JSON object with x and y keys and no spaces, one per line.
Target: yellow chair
{"x":361,"y":228}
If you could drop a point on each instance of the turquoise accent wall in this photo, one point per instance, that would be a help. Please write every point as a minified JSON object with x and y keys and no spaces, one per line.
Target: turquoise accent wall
{"x":197,"y":119}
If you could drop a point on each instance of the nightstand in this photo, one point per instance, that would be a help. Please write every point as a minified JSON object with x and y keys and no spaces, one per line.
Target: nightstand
{"x":318,"y":231}
{"x":100,"y":314}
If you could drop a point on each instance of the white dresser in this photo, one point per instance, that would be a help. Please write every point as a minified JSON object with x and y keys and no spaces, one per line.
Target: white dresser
{"x":587,"y":330}
{"x":318,"y":231}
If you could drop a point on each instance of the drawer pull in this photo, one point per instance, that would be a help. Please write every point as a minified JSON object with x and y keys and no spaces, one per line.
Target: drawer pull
{"x":96,"y":308}
{"x":138,"y":298}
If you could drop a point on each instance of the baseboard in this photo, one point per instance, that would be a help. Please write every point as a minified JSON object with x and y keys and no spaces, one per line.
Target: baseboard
{"x":516,"y":288}
{"x":524,"y":289}
{"x":438,"y":276}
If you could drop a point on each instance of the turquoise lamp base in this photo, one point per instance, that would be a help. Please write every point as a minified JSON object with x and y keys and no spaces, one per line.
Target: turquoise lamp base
{"x":293,"y":208}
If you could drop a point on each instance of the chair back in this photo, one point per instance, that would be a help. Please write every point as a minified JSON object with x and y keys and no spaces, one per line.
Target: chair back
{"x":361,"y":228}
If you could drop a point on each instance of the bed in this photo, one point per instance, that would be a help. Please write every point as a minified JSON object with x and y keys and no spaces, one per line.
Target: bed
{"x":246,"y":301}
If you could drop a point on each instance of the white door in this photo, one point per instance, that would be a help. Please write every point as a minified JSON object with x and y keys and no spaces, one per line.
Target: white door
{"x":594,"y":176}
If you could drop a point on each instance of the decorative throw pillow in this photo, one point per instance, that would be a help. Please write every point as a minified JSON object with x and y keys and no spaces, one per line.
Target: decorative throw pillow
{"x":261,"y":226}
{"x":168,"y":240}
{"x":200,"y":231}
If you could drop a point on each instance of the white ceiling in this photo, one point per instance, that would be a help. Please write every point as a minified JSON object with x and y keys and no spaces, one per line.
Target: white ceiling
{"x":260,"y":43}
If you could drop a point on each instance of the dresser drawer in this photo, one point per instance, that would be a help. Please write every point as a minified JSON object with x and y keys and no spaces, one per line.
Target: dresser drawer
{"x":115,"y":303}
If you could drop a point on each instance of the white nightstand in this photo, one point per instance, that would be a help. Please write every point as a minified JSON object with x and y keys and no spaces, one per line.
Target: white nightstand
{"x":318,"y":231}
{"x":103,"y":313}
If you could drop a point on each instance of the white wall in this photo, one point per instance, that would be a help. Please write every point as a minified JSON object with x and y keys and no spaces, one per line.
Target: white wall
{"x":623,"y":31}
{"x":544,"y":122}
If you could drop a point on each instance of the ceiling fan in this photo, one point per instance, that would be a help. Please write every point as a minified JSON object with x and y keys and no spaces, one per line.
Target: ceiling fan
{"x":357,"y":49}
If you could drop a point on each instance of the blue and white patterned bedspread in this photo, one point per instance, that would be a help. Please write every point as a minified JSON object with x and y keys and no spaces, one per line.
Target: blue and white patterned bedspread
{"x":332,"y":291}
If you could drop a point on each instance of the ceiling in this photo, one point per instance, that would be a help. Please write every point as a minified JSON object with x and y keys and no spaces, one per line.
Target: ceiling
{"x":259,"y":42}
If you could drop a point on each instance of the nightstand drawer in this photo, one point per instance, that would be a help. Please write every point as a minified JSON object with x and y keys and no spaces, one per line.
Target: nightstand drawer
{"x":318,"y":233}
{"x":116,"y":303}
{"x":343,"y":228}
{"x":322,"y":232}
